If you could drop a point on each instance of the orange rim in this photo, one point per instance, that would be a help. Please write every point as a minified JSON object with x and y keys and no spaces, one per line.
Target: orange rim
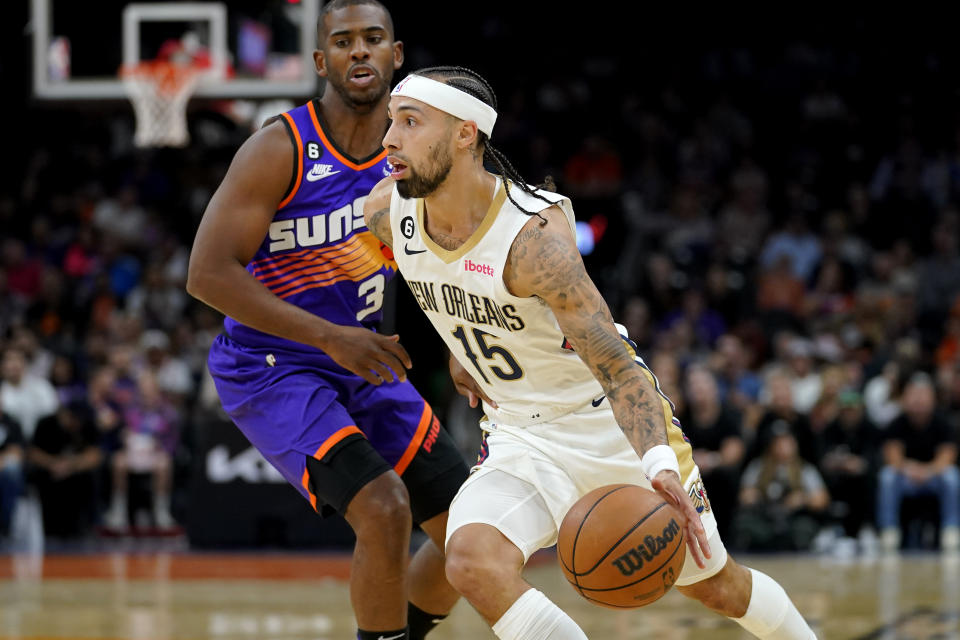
{"x":168,"y":77}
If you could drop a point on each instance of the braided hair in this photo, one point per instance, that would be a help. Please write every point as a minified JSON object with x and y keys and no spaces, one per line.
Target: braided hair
{"x":472,"y":83}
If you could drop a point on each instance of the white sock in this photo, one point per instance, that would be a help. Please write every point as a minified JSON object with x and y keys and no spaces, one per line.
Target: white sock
{"x":118,"y":501}
{"x":771,"y":615}
{"x":118,"y":506}
{"x":161,"y":502}
{"x":534,"y":617}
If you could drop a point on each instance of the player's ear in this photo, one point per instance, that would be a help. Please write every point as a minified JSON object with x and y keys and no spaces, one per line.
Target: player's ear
{"x":320,"y":62}
{"x":467,"y":134}
{"x":397,"y":54}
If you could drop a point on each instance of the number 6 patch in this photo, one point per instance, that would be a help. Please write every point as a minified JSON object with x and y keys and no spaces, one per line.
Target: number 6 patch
{"x":407,"y":227}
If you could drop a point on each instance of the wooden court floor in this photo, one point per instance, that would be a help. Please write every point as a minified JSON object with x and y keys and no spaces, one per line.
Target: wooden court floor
{"x":188,"y":596}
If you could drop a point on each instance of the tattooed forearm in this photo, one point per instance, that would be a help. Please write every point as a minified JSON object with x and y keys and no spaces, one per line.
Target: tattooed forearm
{"x":638,"y":410}
{"x":545,"y":262}
{"x":632,"y":397}
{"x":379,"y":224}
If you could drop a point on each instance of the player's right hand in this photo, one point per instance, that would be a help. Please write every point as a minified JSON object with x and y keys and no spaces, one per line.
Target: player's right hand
{"x":667,"y":484}
{"x":466,"y":385}
{"x":374,"y":357}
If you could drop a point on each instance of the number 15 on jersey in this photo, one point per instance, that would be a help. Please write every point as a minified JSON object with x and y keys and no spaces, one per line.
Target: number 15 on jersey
{"x":498,"y":360}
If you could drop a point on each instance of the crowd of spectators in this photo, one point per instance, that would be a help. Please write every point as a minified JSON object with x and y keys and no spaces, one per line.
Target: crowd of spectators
{"x":781,"y":242}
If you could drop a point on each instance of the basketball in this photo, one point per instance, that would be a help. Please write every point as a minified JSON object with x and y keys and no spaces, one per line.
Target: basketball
{"x":621,"y":546}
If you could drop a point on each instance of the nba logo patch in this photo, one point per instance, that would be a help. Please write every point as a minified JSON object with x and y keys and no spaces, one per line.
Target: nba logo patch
{"x":397,"y":89}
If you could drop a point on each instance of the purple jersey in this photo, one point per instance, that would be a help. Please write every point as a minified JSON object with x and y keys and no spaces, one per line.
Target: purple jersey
{"x":293,"y":402}
{"x":318,"y":253}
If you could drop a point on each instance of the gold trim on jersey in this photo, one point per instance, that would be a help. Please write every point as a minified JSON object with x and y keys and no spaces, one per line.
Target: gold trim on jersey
{"x":488,"y":219}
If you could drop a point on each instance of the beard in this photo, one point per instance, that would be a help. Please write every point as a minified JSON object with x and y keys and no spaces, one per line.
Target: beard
{"x":421,"y":184}
{"x":360,"y":99}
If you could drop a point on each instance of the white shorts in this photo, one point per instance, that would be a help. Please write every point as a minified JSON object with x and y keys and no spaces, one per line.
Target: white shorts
{"x":532,"y":475}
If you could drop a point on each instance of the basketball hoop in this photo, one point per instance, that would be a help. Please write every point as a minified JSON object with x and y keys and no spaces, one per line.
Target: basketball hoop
{"x":159,"y":91}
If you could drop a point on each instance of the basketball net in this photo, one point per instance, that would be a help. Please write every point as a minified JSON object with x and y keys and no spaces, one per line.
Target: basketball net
{"x":159,"y":91}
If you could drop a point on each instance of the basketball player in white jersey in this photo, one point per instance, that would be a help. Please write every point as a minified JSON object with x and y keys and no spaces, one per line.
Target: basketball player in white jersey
{"x":569,"y":405}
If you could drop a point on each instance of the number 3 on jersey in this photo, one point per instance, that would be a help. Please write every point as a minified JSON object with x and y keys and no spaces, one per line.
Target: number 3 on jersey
{"x":489,"y":351}
{"x":373,"y":290}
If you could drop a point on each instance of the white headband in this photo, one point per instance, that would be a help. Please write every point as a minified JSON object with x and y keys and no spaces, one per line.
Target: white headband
{"x":449,"y":100}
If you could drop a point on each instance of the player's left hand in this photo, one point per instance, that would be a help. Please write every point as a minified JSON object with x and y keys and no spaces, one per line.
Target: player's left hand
{"x":667,"y":484}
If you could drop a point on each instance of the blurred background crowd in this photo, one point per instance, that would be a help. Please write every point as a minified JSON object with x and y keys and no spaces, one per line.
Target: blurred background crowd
{"x":776,"y":223}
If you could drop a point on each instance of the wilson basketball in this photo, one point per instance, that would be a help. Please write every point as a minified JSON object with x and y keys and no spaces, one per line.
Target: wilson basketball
{"x":621,"y":546}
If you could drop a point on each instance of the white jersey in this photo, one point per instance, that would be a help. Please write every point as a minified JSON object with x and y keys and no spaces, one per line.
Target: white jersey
{"x":512,"y":346}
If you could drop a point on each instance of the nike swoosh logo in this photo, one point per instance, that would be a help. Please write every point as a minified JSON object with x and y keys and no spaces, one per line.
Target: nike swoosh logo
{"x":597,"y":402}
{"x":410,"y":252}
{"x":313,"y":177}
{"x":392,"y":637}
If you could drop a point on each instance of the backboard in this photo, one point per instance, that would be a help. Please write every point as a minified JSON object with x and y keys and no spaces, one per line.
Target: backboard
{"x":256,"y":49}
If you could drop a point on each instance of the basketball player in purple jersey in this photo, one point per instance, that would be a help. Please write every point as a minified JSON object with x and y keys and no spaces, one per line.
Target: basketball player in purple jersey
{"x":283,"y":252}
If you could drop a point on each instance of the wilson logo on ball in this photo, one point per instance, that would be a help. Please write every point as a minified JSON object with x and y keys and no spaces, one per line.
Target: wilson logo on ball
{"x":620,"y":546}
{"x":633,"y":560}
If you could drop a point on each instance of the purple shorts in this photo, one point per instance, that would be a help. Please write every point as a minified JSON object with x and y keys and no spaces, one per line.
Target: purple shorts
{"x":294,"y":405}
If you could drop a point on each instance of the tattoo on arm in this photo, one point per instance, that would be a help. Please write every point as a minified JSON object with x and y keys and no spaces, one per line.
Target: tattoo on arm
{"x":379,"y":226}
{"x":548,"y":264}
